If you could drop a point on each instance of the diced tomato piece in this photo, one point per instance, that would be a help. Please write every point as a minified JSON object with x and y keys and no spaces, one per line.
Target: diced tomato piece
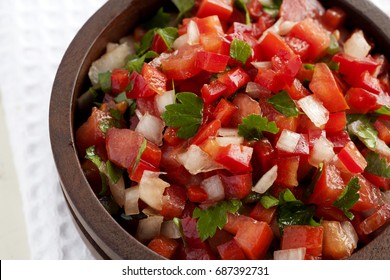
{"x":367,"y":82}
{"x":260,"y":213}
{"x":222,"y":8}
{"x":271,"y":45}
{"x":337,"y":122}
{"x":196,"y":193}
{"x":158,"y":44}
{"x":328,"y":187}
{"x":263,"y":22}
{"x":296,"y":90}
{"x":352,"y":159}
{"x":89,"y":133}
{"x":297,"y":10}
{"x":213,"y":91}
{"x":237,"y":186}
{"x":337,"y":244}
{"x":246,"y":106}
{"x":157,"y":81}
{"x":119,"y":80}
{"x":190,"y":233}
{"x":286,"y":65}
{"x":383,"y":128}
{"x":137,"y":171}
{"x":291,"y":123}
{"x":288,"y":174}
{"x":338,"y":139}
{"x":170,"y":137}
{"x":147,"y":105}
{"x":369,"y":195}
{"x":151,"y":154}
{"x":378,"y":219}
{"x":164,"y":246}
{"x":324,"y":86}
{"x":299,"y":47}
{"x":235,"y":158}
{"x":314,"y":34}
{"x":181,"y":64}
{"x":380,"y":182}
{"x":231,"y":251}
{"x":235,"y":222}
{"x":208,"y":130}
{"x":330,"y":213}
{"x":174,"y":201}
{"x":352,"y":67}
{"x":234,"y":79}
{"x":123,"y":146}
{"x":309,"y":237}
{"x":210,"y":25}
{"x":212,"y":62}
{"x":140,"y":88}
{"x":333,"y":18}
{"x":254,"y":238}
{"x":263,"y":156}
{"x":224,"y":111}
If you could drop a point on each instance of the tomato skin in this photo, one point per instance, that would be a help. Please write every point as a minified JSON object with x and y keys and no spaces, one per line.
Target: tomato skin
{"x":352,"y":67}
{"x":224,"y":111}
{"x":208,"y":130}
{"x":158,"y":44}
{"x":222,"y":8}
{"x":263,"y":156}
{"x":157,"y":81}
{"x":174,"y":201}
{"x":119,"y":80}
{"x":260,"y":213}
{"x":164,"y":246}
{"x":324,"y":86}
{"x":196,"y":193}
{"x":339,"y":139}
{"x":137,"y":171}
{"x":181,"y":65}
{"x":381,"y":182}
{"x":254,"y":238}
{"x":140,"y":88}
{"x":352,"y":159}
{"x":296,"y":90}
{"x":245,"y":107}
{"x":123,"y":146}
{"x":230,"y":250}
{"x":234,"y":79}
{"x":212,"y":62}
{"x":235,"y":158}
{"x":237,"y":186}
{"x":286,"y":65}
{"x":213,"y":91}
{"x":309,"y":237}
{"x":337,"y":122}
{"x":289,"y":171}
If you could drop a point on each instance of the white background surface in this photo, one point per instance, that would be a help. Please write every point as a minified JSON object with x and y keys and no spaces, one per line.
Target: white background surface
{"x":34,"y":220}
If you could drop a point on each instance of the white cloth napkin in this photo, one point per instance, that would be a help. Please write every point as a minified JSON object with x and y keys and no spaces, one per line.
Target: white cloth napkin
{"x":34,"y":36}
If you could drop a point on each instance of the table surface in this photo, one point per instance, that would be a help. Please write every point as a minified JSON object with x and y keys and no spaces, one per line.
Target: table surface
{"x":35,"y":222}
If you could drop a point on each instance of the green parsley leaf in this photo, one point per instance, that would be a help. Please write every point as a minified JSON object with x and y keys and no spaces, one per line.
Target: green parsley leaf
{"x":160,"y":19}
{"x":136,"y":63}
{"x":348,"y":197}
{"x":384,"y":110}
{"x":334,"y":46}
{"x":253,"y":125}
{"x":283,"y":103}
{"x":377,"y":165}
{"x":240,"y":50}
{"x":214,"y":217}
{"x":365,"y":131}
{"x":114,"y":172}
{"x":169,"y":35}
{"x":186,"y":115}
{"x":91,"y":155}
{"x":241,"y":5}
{"x":184,"y":6}
{"x":295,"y":213}
{"x":146,"y":42}
{"x":286,"y":196}
{"x":268,"y":201}
{"x":252,"y":197}
{"x":105,"y":81}
{"x":106,"y":123}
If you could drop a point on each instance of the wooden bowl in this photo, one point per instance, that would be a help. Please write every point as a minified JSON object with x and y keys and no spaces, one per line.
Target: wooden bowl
{"x":114,"y":20}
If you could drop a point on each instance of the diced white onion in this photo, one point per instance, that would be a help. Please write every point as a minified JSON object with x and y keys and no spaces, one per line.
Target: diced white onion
{"x":170,"y":230}
{"x":162,"y":100}
{"x":223,"y":131}
{"x":266,"y":180}
{"x":149,"y":228}
{"x":275,"y":28}
{"x":180,"y":41}
{"x":115,"y":58}
{"x":193,"y":33}
{"x":214,"y":188}
{"x":288,"y":141}
{"x":151,"y":189}
{"x":111,"y":46}
{"x":285,"y":27}
{"x":322,"y":151}
{"x":290,"y":254}
{"x":262,"y":65}
{"x":351,"y":233}
{"x":118,"y":191}
{"x":151,"y":128}
{"x":357,"y":45}
{"x":131,"y":200}
{"x":227,"y":140}
{"x":314,"y":109}
{"x":382,"y":148}
{"x":195,"y":160}
{"x":256,"y":91}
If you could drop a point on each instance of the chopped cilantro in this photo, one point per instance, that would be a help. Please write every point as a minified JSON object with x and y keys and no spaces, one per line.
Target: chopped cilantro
{"x":146,"y":42}
{"x":377,"y":165}
{"x":271,"y":7}
{"x":348,"y":197}
{"x":168,"y":34}
{"x":309,"y":66}
{"x":91,"y":155}
{"x":253,"y":197}
{"x":214,"y":217}
{"x":184,"y":6}
{"x":105,"y":81}
{"x":160,"y":19}
{"x":135,"y":63}
{"x":131,"y":103}
{"x":106,"y":123}
{"x":114,"y":172}
{"x":240,"y":50}
{"x":241,"y":5}
{"x":283,"y":103}
{"x":268,"y":201}
{"x":186,"y":115}
{"x":334,"y":46}
{"x":364,"y":130}
{"x":141,"y":150}
{"x":253,"y":126}
{"x":384,"y":110}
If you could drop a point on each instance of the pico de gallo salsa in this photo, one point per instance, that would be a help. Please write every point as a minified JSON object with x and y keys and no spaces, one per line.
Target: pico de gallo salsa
{"x":245,"y":129}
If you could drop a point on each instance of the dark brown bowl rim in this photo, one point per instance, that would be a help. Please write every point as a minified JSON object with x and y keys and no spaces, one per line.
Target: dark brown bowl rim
{"x":111,"y":239}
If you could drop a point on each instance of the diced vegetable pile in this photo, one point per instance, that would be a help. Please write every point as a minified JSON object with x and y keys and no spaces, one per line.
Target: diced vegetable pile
{"x":244,"y":129}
